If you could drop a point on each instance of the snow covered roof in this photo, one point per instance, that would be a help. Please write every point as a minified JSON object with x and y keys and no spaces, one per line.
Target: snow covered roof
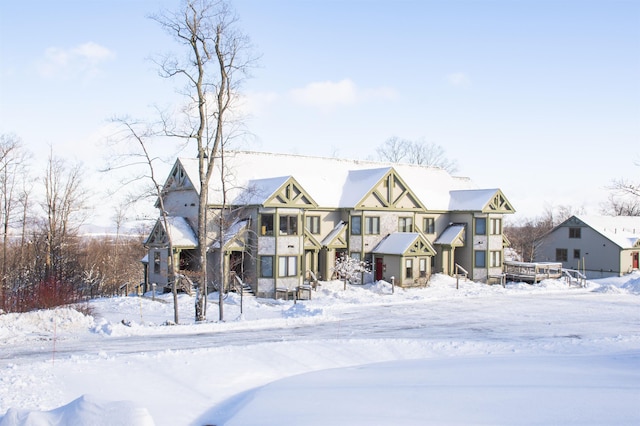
{"x":334,"y":233}
{"x":332,"y":182}
{"x":231,"y":233}
{"x":621,"y":230}
{"x":450,"y":234}
{"x":470,"y":200}
{"x":396,"y":243}
{"x":181,"y":233}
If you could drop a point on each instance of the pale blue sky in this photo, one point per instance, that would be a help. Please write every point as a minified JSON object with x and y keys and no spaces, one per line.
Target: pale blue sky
{"x":540,"y":98}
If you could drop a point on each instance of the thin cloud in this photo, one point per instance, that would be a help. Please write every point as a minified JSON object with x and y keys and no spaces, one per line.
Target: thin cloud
{"x":459,"y":79}
{"x":326,"y":94}
{"x":83,"y":61}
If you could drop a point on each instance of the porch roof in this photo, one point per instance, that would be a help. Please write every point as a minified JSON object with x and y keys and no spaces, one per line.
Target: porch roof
{"x":397,"y":243}
{"x":453,"y":235}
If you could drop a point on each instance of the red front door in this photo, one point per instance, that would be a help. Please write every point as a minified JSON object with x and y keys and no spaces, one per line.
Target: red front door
{"x":379,"y":268}
{"x":635,"y":260}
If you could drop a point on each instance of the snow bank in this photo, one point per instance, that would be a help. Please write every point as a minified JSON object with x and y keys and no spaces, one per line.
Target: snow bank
{"x":473,"y":354}
{"x":42,"y":325}
{"x":567,"y":390}
{"x":86,"y":410}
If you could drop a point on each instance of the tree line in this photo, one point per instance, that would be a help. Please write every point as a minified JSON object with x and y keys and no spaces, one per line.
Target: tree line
{"x":45,"y":260}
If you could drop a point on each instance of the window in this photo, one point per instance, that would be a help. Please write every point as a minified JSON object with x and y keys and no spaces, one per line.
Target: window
{"x":495,"y":227}
{"x":480,"y":259}
{"x":408,"y":268}
{"x":496,"y":258}
{"x":288,"y":225}
{"x":356,"y":225}
{"x":266,"y":224}
{"x":266,"y":266}
{"x":561,"y":255}
{"x":405,"y":224}
{"x":156,"y":262}
{"x":355,"y":255}
{"x":576,"y":254}
{"x":575,"y":233}
{"x":372,"y":225}
{"x":313,"y":224}
{"x":288,"y":266}
{"x":423,"y":267}
{"x":429,"y":225}
{"x":481,"y":226}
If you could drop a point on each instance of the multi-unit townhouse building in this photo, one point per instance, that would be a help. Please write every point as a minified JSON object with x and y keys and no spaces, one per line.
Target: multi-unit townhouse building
{"x":277,"y":219}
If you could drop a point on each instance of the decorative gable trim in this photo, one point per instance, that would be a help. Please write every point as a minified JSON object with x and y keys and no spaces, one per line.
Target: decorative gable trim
{"x":421,"y":247}
{"x":178,"y":179}
{"x":390,"y":193}
{"x":499,"y":204}
{"x":310,"y":241}
{"x":290,"y":194}
{"x":158,"y":236}
{"x":337,"y":238}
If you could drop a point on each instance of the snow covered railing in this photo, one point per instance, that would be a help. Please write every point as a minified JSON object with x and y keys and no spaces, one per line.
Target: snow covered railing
{"x":573,"y":275}
{"x":464,"y":274}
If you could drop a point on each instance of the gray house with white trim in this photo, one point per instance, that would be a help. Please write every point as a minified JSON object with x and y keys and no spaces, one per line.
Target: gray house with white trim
{"x":602,"y":246}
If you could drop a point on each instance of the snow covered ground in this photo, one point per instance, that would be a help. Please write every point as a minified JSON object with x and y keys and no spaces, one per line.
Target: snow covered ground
{"x":525,"y":354}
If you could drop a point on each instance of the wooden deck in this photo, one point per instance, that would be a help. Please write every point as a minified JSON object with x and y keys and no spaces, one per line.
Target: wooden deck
{"x":532,"y":272}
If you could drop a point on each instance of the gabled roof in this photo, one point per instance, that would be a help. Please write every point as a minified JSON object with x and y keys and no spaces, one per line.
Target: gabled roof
{"x":404,"y":243}
{"x":337,"y":237}
{"x":182,"y":236}
{"x":624,"y":231}
{"x":233,"y":235}
{"x":484,"y":200}
{"x":453,"y":235}
{"x":333,"y":182}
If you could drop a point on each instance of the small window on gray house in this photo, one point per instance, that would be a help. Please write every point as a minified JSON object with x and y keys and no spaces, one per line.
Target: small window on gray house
{"x":576,"y":254}
{"x":287,"y":266}
{"x":289,"y":225}
{"x":266,"y":224}
{"x":561,"y":255}
{"x":575,"y":232}
{"x":266,"y":266}
{"x":423,"y":267}
{"x":356,"y":225}
{"x":496,"y":258}
{"x":408,"y":268}
{"x":429,"y":225}
{"x":405,"y":224}
{"x":156,"y":262}
{"x":495,"y":226}
{"x":313,"y":224}
{"x":372,"y":225}
{"x":480,"y":259}
{"x":481,"y":226}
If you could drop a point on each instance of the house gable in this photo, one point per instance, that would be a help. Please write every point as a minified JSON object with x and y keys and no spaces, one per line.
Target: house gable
{"x":405,"y":244}
{"x":337,"y":238}
{"x":310,"y":241}
{"x":453,"y":236}
{"x":498,"y":204}
{"x":390,"y":192}
{"x":182,"y":236}
{"x":290,"y":194}
{"x":178,"y":179}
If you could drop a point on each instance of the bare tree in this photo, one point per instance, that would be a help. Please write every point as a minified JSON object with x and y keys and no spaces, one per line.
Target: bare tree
{"x":394,"y":150}
{"x":624,"y":199}
{"x":420,"y":152}
{"x":13,"y":169}
{"x":218,"y":61}
{"x":64,"y":206}
{"x":136,"y":135}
